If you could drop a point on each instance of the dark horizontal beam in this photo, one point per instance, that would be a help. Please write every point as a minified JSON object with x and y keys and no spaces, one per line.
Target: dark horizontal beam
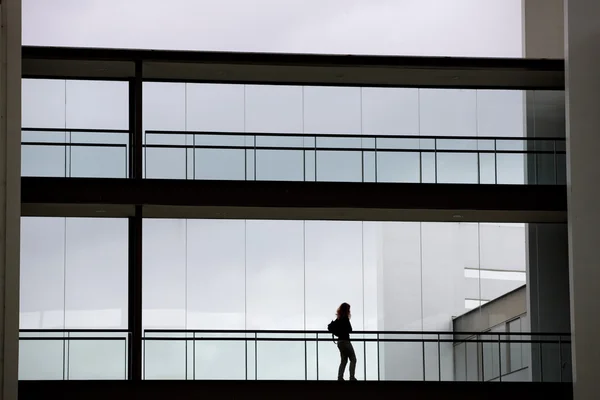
{"x":173,"y":389}
{"x":293,"y":69}
{"x":294,"y":200}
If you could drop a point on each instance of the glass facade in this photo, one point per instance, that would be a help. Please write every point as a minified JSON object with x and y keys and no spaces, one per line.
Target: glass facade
{"x":75,"y":128}
{"x":291,"y":275}
{"x":73,"y":277}
{"x":231,"y":276}
{"x":295,"y":133}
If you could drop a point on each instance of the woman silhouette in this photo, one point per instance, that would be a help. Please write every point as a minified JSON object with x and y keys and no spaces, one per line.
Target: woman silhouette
{"x":343,"y":333}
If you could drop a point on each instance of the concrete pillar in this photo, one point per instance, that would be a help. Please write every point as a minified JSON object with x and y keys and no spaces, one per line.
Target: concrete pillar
{"x":548,"y":299}
{"x":543,"y":29}
{"x":582,"y":38}
{"x":547,"y":255}
{"x":10,"y":193}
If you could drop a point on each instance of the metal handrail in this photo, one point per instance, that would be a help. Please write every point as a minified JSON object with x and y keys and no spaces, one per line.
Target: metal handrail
{"x":75,"y":130}
{"x":77,"y":330}
{"x":365,"y":332}
{"x":349,"y":135}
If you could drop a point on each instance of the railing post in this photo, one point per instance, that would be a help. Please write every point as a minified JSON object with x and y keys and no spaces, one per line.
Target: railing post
{"x":495,"y":163}
{"x":255,"y":174}
{"x":316,"y":177}
{"x":255,"y":350}
{"x":186,"y":351}
{"x":134,"y":302}
{"x":376,"y":160}
{"x":423,"y":351}
{"x":378,"y":360}
{"x":365,"y":356}
{"x":439,"y":358}
{"x":499,"y":358}
{"x":435,"y":176}
{"x":555,"y":163}
{"x":194,"y":355}
{"x":317,"y":343}
{"x":560,"y":364}
{"x":541,"y":360}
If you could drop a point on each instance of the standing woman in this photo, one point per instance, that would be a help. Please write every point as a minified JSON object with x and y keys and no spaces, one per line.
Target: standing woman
{"x":343,"y":333}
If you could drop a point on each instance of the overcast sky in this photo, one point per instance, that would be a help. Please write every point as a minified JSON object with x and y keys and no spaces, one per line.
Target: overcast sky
{"x":490,"y":28}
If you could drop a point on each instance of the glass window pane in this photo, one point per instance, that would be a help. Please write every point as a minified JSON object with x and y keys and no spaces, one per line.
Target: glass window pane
{"x":500,"y":113}
{"x":276,"y":109}
{"x":97,"y":104}
{"x":109,"y":355}
{"x":215,"y":107}
{"x":96,"y":273}
{"x":42,"y":359}
{"x":42,"y":293}
{"x":44,"y":160}
{"x":457,"y":168}
{"x":43,"y":103}
{"x":446,"y":249}
{"x":398,"y":167}
{"x":332,"y":110}
{"x":164,"y":106}
{"x":339,"y":166}
{"x":280,"y":165}
{"x":215,"y":283}
{"x":275,"y":270}
{"x":334,"y":268}
{"x":390,"y":111}
{"x":448,"y":112}
{"x":217,"y":164}
{"x":164,"y":277}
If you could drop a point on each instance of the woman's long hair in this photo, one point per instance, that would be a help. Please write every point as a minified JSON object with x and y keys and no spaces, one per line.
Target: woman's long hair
{"x":343,"y":311}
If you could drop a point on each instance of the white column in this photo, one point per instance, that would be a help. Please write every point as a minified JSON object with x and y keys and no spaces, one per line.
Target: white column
{"x":582,"y":39}
{"x":10,"y":193}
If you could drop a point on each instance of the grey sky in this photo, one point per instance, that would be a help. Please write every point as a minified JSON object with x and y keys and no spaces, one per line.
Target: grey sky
{"x":490,"y":28}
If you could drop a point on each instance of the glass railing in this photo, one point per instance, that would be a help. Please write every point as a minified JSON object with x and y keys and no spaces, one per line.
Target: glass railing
{"x":73,"y":354}
{"x":295,"y":355}
{"x":313,"y":355}
{"x":353,"y":158}
{"x":75,"y":153}
{"x":94,"y":153}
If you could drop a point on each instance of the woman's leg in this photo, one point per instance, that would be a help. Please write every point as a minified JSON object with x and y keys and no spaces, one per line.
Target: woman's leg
{"x":343,"y":360}
{"x":352,"y":357}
